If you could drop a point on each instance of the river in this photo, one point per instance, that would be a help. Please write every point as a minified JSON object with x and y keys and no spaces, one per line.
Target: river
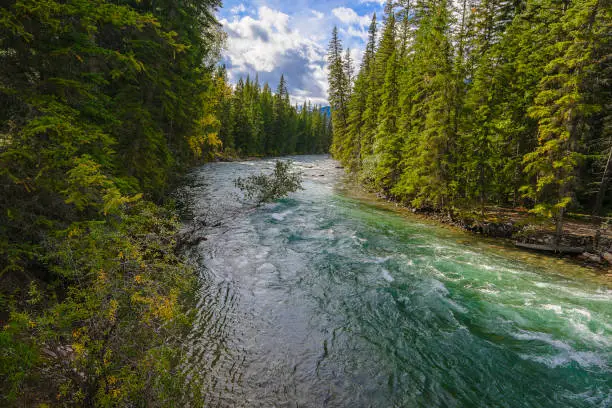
{"x":330,"y":298}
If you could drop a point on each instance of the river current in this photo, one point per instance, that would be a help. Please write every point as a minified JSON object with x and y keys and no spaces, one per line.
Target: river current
{"x":330,"y":298}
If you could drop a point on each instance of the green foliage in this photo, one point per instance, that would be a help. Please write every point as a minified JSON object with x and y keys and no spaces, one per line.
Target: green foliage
{"x":264,"y":188}
{"x":562,"y":109}
{"x":101,"y":104}
{"x":480,"y":102}
{"x":17,"y":356}
{"x":124,"y":312}
{"x":339,"y":86}
{"x":256,"y":122}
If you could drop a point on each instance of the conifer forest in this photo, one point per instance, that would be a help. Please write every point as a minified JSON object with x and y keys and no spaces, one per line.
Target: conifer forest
{"x":123,"y":133}
{"x":476,"y":103}
{"x":254,"y":121}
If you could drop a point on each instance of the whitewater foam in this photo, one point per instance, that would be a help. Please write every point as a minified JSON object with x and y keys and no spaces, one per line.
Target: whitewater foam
{"x":543,"y":337}
{"x":585,"y":359}
{"x":555,"y":308}
{"x":387,"y":276}
{"x":281,"y":216}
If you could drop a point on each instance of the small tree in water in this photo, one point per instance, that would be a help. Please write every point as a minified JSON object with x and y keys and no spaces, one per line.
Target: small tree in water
{"x":264,"y":188}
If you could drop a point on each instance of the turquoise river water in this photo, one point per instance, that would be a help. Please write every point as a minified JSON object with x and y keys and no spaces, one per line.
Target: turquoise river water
{"x":330,"y":298}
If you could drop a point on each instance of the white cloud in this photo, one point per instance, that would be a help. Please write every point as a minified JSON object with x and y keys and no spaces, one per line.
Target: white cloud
{"x":349,"y":16}
{"x":355,"y":32}
{"x":241,"y":8}
{"x":271,"y":44}
{"x":317,"y":14}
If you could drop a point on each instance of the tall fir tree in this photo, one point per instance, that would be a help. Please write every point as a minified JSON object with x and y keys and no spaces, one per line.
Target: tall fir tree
{"x":353,"y":142}
{"x":426,"y":178}
{"x":562,"y":109}
{"x":388,"y":141}
{"x":338,"y":91}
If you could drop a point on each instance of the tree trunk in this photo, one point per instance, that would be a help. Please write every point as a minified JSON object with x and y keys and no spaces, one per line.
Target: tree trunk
{"x":517,"y":176}
{"x":601,"y":194}
{"x":559,"y":228}
{"x":482,"y":190}
{"x":603,"y":186}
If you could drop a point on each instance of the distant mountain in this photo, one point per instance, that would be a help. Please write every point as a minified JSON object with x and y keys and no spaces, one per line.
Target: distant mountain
{"x":326,"y":110}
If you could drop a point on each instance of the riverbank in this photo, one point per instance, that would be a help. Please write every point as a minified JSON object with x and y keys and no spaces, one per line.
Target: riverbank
{"x":580,"y":240}
{"x":519,"y":228}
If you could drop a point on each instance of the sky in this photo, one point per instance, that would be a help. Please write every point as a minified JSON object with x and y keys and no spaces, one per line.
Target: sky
{"x":274,"y":37}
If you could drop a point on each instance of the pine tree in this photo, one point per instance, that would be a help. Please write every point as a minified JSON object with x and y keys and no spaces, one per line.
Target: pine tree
{"x":376,"y":80}
{"x":562,"y":110}
{"x":405,"y":29}
{"x":223,"y":93}
{"x":349,"y":72}
{"x":353,"y":143}
{"x":425,"y":179}
{"x":387,"y":140}
{"x":241,"y":129}
{"x":482,"y":145}
{"x":338,"y":92}
{"x":267,"y":109}
{"x":280,"y":132}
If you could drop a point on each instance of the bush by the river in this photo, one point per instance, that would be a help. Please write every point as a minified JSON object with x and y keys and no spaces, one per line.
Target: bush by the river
{"x":263,"y":188}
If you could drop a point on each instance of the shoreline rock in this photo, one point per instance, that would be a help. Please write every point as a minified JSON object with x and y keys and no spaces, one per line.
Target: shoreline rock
{"x":595,"y":251}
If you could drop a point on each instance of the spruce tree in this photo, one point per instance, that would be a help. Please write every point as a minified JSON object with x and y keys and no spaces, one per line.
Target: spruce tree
{"x":376,"y":81}
{"x":353,"y":142}
{"x":338,"y":91}
{"x":349,"y":72}
{"x":425,"y":179}
{"x":562,"y":110}
{"x":387,"y":140}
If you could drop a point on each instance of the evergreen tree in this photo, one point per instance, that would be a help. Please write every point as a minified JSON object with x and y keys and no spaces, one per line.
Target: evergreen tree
{"x":241,"y":129}
{"x":349,"y":72}
{"x":426,"y":178}
{"x":484,"y":177}
{"x":387,"y":141}
{"x":223,"y":94}
{"x":477,"y":101}
{"x":562,"y":110}
{"x":267,"y":109}
{"x":338,"y":91}
{"x":353,"y":142}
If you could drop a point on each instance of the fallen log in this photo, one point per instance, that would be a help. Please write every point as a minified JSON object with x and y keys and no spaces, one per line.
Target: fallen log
{"x":551,"y":248}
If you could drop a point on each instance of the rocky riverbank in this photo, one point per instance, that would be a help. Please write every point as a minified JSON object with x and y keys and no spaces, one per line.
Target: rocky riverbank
{"x":583,"y":242}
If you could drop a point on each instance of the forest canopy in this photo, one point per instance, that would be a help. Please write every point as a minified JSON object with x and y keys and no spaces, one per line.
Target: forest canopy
{"x":102,"y":105}
{"x":474,"y":103}
{"x":255,"y":121}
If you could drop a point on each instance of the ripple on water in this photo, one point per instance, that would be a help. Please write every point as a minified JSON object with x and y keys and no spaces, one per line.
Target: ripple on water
{"x":267,"y":268}
{"x":322,"y":300}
